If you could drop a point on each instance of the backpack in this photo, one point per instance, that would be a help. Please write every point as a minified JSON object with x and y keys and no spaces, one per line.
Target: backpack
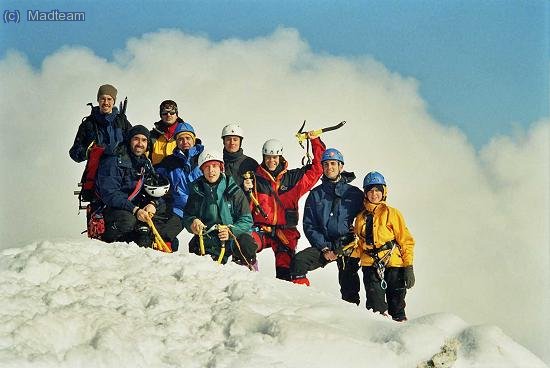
{"x":95,"y":220}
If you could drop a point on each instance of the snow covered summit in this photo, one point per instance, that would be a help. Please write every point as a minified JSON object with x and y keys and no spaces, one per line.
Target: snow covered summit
{"x":87,"y":304}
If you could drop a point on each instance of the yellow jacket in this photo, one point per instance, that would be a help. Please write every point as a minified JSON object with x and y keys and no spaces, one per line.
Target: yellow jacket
{"x":162,"y":148}
{"x":388,"y":224}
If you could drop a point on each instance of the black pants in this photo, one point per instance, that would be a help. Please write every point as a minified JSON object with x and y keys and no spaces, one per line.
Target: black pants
{"x":242,"y":254}
{"x":312,"y":258}
{"x":121,"y":225}
{"x":393,"y":298}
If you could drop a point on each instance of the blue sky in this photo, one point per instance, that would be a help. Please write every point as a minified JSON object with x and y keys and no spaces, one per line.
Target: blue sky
{"x":482,"y":66}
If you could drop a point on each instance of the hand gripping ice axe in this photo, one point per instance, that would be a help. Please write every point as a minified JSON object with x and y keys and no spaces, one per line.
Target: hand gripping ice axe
{"x":301,"y":136}
{"x":257,"y":207}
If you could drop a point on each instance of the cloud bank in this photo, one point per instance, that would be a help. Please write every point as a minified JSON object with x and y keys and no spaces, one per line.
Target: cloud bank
{"x":480,"y":219}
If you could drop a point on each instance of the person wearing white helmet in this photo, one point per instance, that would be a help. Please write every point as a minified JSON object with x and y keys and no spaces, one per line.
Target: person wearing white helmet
{"x":329,"y":212}
{"x":236,"y":162}
{"x":277,"y":190}
{"x":216,"y":200}
{"x":132,"y":192}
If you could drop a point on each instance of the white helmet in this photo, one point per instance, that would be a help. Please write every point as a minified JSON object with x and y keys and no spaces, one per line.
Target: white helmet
{"x":232,"y":129}
{"x":206,"y":156}
{"x":156,"y":186}
{"x":272,"y":147}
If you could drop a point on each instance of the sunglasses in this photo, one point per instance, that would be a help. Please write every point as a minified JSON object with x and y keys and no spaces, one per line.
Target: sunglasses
{"x":168,"y":112}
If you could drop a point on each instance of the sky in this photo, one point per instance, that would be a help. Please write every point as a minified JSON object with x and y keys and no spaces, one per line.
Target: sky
{"x":479,"y":211}
{"x":84,"y":304}
{"x":482,"y":66}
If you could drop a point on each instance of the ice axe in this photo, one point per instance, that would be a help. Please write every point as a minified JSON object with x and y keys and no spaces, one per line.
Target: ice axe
{"x":301,"y":136}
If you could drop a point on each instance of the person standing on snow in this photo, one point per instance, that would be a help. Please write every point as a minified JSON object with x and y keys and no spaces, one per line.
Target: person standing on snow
{"x":386,"y":250}
{"x":328,"y":225}
{"x":163,"y":140}
{"x":104,"y":127}
{"x":236,"y":162}
{"x":128,"y":202}
{"x":215,"y":199}
{"x":277,"y":191}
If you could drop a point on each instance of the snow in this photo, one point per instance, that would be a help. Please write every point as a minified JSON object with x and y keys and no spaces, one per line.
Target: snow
{"x":84,"y":303}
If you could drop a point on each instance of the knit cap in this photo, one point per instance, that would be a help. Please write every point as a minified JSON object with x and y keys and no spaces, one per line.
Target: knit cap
{"x":107,"y":89}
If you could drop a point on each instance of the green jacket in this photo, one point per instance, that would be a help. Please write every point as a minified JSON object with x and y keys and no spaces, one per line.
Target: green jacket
{"x":222,"y":203}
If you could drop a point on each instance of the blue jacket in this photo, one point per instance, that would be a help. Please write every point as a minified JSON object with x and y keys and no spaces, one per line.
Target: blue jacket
{"x":105,"y":130}
{"x":118,"y":176}
{"x":181,"y":170}
{"x":330,"y":210}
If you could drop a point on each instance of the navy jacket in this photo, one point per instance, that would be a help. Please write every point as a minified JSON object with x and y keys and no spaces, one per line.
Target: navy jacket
{"x":330,"y":210}
{"x":105,"y":130}
{"x":118,"y":176}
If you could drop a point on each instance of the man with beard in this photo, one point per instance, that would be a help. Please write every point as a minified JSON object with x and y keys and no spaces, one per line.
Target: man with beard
{"x":128,"y":206}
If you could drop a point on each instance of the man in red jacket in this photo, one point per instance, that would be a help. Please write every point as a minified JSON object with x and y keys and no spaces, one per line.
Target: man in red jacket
{"x":274,"y":200}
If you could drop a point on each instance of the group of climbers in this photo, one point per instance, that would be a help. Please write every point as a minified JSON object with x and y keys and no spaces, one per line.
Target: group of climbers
{"x":151,"y":184}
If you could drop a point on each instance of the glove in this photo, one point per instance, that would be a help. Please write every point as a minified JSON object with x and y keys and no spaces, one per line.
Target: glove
{"x":409,"y":277}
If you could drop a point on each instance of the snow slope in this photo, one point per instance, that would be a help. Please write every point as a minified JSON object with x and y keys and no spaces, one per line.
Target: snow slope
{"x":87,"y":304}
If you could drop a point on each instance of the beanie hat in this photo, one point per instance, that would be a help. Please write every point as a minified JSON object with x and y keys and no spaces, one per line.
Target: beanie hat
{"x":107,"y":89}
{"x":138,"y":129}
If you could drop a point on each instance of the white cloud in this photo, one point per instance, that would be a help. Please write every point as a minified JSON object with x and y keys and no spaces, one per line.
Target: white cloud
{"x":480,"y":219}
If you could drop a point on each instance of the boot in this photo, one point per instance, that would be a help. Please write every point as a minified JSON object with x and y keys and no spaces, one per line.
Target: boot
{"x":301,"y":281}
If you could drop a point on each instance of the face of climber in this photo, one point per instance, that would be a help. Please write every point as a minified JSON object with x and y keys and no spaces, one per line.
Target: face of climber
{"x":375,"y":194}
{"x":231,"y":143}
{"x":211,"y":171}
{"x":332,"y":169}
{"x":271,"y":161}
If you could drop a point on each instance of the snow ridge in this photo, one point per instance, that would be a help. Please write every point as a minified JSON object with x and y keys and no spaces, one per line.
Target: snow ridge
{"x":87,"y":304}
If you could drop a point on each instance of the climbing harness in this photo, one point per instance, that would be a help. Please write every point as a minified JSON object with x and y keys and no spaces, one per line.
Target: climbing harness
{"x":380,"y":263}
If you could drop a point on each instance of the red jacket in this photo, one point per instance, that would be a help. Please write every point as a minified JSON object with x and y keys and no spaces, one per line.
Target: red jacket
{"x":289,"y":185}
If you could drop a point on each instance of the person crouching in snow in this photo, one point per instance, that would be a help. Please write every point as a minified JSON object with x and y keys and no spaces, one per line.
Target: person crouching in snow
{"x":328,"y":220}
{"x":386,"y":249}
{"x":277,"y":191}
{"x":218,"y":212}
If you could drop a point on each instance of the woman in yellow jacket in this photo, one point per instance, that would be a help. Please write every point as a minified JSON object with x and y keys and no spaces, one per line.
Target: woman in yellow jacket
{"x":385,"y":249}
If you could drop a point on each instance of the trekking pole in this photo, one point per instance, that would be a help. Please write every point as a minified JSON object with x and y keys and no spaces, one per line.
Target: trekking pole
{"x":161,"y":245}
